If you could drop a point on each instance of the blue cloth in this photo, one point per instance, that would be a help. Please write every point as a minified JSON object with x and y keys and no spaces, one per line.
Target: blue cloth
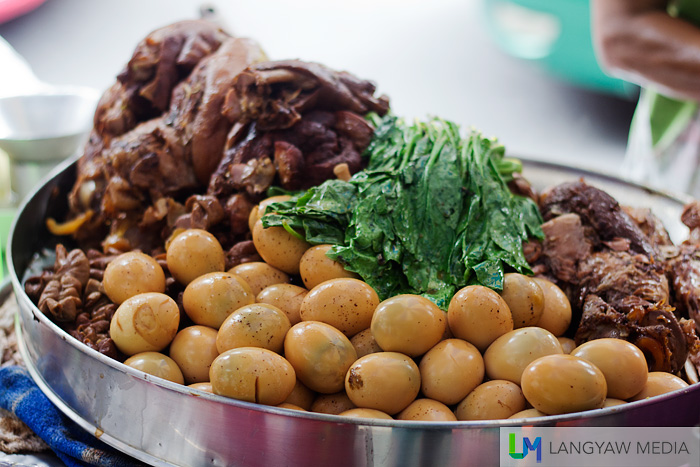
{"x":72,"y":444}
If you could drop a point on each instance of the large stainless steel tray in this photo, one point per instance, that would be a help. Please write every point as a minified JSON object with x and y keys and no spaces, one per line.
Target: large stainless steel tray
{"x":163,"y":423}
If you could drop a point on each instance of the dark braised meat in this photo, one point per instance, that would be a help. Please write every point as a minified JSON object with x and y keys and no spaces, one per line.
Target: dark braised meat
{"x":279,"y":141}
{"x":143,"y":89}
{"x":168,"y":157}
{"x":142,"y":92}
{"x":70,"y":294}
{"x":303,"y":120}
{"x":691,"y":218}
{"x":683,"y":267}
{"x":295,"y":158}
{"x":565,"y":245}
{"x":631,"y":292}
{"x":276,"y":94}
{"x":623,"y":279}
{"x":242,"y":252}
{"x":196,"y":109}
{"x":121,"y":176}
{"x":202,"y":212}
{"x":684,"y":273}
{"x":91,"y":325}
{"x":519,"y":185}
{"x":651,"y":226}
{"x":231,"y":127}
{"x":160,"y":61}
{"x":654,"y":329}
{"x":690,"y":330}
{"x":59,"y":292}
{"x":139,"y":167}
{"x":598,"y":210}
{"x":147,"y":163}
{"x":611,"y":261}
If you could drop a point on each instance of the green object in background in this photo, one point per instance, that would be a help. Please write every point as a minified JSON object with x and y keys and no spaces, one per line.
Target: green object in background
{"x":670,"y":117}
{"x":557,"y":35}
{"x":7,"y":215}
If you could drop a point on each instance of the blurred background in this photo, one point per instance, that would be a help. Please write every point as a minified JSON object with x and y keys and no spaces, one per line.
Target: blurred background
{"x":519,"y":70}
{"x":458,"y":59}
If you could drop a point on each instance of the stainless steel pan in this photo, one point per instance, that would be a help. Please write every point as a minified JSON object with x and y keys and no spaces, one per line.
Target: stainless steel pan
{"x":164,"y":423}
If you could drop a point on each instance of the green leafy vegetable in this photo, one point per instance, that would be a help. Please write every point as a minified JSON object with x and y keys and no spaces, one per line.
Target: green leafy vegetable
{"x":431,"y":213}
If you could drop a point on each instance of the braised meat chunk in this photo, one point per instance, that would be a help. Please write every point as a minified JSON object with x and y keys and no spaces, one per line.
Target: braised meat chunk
{"x":196,"y":111}
{"x":632,"y":293}
{"x":276,"y":94}
{"x":598,"y":210}
{"x":297,"y":158}
{"x":131,"y":112}
{"x":303,"y":119}
{"x":565,"y":245}
{"x":651,"y":226}
{"x":622,"y":279}
{"x":59,"y":292}
{"x":655,"y":330}
{"x":160,"y":61}
{"x":683,"y":267}
{"x":164,"y":58}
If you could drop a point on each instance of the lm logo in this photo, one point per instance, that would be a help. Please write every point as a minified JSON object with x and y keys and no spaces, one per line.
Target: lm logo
{"x":527,"y":447}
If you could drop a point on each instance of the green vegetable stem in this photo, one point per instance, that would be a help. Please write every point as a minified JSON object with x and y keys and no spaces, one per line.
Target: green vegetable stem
{"x":430,"y":214}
